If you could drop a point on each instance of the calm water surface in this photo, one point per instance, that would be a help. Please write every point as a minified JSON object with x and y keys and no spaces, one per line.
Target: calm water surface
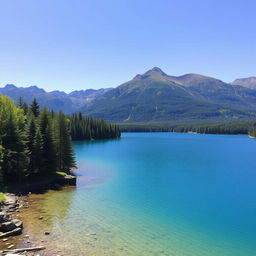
{"x":155,"y":194}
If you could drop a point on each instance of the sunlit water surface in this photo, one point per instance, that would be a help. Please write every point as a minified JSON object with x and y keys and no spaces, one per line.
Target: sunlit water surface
{"x":154,"y":194}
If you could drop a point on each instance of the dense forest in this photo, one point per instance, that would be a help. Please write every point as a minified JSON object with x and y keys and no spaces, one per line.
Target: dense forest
{"x":204,"y":128}
{"x":87,"y":128}
{"x":37,"y":142}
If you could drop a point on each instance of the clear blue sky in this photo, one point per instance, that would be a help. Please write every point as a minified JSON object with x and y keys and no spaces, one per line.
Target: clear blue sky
{"x":79,"y":44}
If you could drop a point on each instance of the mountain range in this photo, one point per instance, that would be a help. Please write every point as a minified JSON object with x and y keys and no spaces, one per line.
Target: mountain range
{"x":154,"y":97}
{"x":249,"y":82}
{"x":56,"y":100}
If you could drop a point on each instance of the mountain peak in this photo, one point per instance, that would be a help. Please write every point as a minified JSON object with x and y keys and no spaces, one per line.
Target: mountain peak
{"x":157,"y":69}
{"x":249,"y":82}
{"x":35,"y":89}
{"x":154,"y":72}
{"x":10,"y":86}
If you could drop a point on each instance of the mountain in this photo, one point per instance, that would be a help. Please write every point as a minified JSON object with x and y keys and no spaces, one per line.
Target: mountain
{"x":157,"y":97}
{"x":55,"y":100}
{"x":249,"y":82}
{"x":153,"y":97}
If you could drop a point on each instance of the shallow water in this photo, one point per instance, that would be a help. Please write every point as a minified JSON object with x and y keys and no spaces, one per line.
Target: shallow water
{"x":154,"y":194}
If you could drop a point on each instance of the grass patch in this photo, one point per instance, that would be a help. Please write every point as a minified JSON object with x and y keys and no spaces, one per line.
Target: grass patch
{"x":61,"y":173}
{"x":2,"y":197}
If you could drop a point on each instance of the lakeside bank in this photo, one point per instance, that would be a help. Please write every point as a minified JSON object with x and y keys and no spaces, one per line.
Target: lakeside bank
{"x":13,"y":239}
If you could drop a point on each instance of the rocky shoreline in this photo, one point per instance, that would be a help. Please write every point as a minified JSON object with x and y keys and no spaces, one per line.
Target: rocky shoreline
{"x":11,"y":224}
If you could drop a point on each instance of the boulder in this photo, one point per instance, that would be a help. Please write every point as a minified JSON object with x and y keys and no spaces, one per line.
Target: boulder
{"x":70,"y":180}
{"x":3,"y":217}
{"x":7,"y":226}
{"x":14,"y":232}
{"x":11,"y":225}
{"x":18,"y":223}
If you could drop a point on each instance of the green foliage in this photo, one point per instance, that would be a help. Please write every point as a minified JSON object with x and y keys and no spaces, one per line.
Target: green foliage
{"x":157,"y":97}
{"x":34,"y":107}
{"x":23,"y":105}
{"x":252,"y":131}
{"x":49,"y":161}
{"x":15,"y":158}
{"x":34,"y":147}
{"x":2,"y":197}
{"x":61,"y":173}
{"x":205,"y":128}
{"x":65,"y":156}
{"x":37,"y":143}
{"x":89,"y":128}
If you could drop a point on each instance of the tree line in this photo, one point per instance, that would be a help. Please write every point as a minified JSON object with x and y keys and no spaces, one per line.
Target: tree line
{"x":87,"y":128}
{"x":252,"y":131}
{"x":207,"y":128}
{"x":37,"y":142}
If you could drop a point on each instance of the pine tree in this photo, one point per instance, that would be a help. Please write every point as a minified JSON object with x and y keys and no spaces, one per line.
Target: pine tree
{"x":48,"y":146}
{"x":23,"y":105}
{"x":38,"y":153}
{"x":65,"y":155}
{"x":15,"y":160}
{"x":33,"y":167}
{"x":34,"y":106}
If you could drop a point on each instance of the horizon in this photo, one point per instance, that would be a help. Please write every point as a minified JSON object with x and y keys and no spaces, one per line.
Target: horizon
{"x":112,"y":87}
{"x":62,"y":46}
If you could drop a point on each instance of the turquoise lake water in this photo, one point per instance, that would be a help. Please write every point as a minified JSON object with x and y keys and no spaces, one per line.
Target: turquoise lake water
{"x":160,"y":194}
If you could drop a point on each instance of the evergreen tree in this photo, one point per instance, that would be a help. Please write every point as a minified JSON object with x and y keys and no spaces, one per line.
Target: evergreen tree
{"x":65,"y":153}
{"x":48,"y":146}
{"x":23,"y":105}
{"x":34,"y":106}
{"x":88,"y":128}
{"x":38,"y":153}
{"x":15,"y":160}
{"x":34,"y":143}
{"x":33,"y":147}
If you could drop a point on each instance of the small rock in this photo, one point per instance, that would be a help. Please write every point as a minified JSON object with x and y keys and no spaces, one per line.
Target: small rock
{"x":7,"y":226}
{"x":47,"y":233}
{"x":26,"y":236}
{"x":11,"y":254}
{"x":18,"y":223}
{"x":5,"y":239}
{"x":10,"y":246}
{"x":40,"y":217}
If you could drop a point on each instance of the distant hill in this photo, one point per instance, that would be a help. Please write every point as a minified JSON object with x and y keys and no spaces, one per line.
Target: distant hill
{"x":249,"y":82}
{"x":157,"y":97}
{"x":153,"y":97}
{"x":55,"y":100}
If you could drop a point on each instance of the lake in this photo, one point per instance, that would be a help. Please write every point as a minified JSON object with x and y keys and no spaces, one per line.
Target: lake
{"x":154,"y":194}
